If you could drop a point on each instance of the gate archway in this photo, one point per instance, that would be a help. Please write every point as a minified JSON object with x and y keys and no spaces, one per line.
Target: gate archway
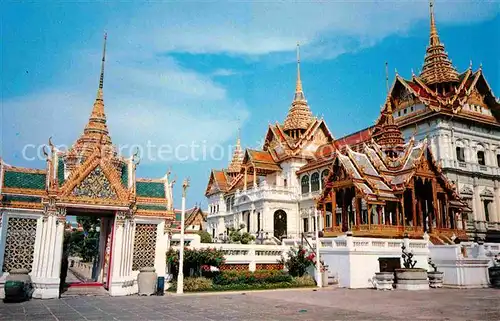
{"x":279,"y":224}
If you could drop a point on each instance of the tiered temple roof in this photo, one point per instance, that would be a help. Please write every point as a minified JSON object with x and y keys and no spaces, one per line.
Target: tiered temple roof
{"x":299,"y":116}
{"x":437,"y":68}
{"x":89,"y":174}
{"x":298,"y":137}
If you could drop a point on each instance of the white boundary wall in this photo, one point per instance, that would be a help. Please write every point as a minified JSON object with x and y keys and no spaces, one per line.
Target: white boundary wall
{"x":464,"y":265}
{"x":354,"y":261}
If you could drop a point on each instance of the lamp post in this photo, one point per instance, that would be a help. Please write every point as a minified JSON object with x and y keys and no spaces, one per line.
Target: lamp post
{"x":180,"y":276}
{"x":318,"y":267}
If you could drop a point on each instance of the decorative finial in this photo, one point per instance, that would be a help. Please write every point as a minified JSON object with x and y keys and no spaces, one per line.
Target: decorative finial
{"x":387,"y":76}
{"x":412,"y":72}
{"x":481,"y":65}
{"x":434,"y":40}
{"x":298,"y":87}
{"x":101,"y":77}
{"x":396,"y":71}
{"x":185,"y":185}
{"x":470,"y":64}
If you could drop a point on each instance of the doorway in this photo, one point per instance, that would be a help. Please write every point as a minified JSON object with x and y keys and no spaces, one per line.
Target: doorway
{"x":279,"y":224}
{"x":87,"y":245}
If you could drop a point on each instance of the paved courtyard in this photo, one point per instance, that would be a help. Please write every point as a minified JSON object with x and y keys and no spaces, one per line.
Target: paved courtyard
{"x":335,"y":304}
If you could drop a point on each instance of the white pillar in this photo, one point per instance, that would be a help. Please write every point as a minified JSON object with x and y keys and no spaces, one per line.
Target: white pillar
{"x":180,"y":276}
{"x":115,"y":279}
{"x":318,"y":244}
{"x":496,"y":203}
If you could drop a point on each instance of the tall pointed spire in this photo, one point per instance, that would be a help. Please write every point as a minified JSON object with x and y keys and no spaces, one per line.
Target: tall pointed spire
{"x":96,"y":131}
{"x":298,"y":86}
{"x":299,"y":116}
{"x":390,"y":138}
{"x":101,"y":77}
{"x":437,"y":66}
{"x":237,"y":160}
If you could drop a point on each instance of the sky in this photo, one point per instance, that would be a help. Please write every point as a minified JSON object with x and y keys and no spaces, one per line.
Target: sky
{"x":183,"y":78}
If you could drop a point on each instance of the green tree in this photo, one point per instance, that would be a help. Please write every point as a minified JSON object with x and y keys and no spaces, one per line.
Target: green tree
{"x":205,"y":237}
{"x":237,"y":236}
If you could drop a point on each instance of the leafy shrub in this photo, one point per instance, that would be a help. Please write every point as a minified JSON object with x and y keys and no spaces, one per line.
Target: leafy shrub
{"x":195,"y":259}
{"x":205,"y":237}
{"x":239,"y":237}
{"x":196,"y":284}
{"x":298,"y":261}
{"x":247,"y":277}
{"x":305,"y":280}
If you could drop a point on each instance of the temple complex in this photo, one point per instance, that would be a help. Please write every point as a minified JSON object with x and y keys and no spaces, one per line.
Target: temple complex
{"x":431,"y":158}
{"x":89,"y":179}
{"x":459,"y":116}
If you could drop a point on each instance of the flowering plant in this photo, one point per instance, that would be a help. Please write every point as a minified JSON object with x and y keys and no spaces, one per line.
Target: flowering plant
{"x":196,"y":259}
{"x":298,"y":261}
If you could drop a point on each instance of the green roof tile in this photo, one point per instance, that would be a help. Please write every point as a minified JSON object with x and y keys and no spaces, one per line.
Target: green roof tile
{"x":150,"y":189}
{"x":60,"y":171}
{"x":21,"y":198}
{"x":24,"y":180}
{"x":178,"y":216}
{"x":152,"y":207}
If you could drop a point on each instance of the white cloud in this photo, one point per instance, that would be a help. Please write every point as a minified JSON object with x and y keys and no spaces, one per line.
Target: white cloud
{"x":258,"y":28}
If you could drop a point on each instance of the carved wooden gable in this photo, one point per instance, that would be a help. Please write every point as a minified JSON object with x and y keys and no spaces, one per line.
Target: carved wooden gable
{"x":95,"y":185}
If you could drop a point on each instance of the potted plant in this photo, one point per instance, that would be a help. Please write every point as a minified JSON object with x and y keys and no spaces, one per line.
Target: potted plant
{"x":410,"y":278}
{"x":494,"y":273}
{"x":435,"y":277}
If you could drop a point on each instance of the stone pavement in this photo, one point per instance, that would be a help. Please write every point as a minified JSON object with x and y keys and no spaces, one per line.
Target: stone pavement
{"x":305,"y":304}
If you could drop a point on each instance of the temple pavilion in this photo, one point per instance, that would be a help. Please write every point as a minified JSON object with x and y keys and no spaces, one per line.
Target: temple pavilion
{"x":89,"y":179}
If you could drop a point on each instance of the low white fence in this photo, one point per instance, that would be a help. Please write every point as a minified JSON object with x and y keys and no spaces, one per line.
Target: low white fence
{"x":353,"y":261}
{"x":251,"y":255}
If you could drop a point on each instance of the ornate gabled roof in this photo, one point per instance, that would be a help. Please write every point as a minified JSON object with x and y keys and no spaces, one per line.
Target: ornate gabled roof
{"x":237,"y":160}
{"x":377,"y":179}
{"x":262,"y":160}
{"x":96,"y":132}
{"x":300,"y":115}
{"x":437,"y":66}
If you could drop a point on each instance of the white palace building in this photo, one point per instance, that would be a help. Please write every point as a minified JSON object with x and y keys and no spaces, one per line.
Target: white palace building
{"x":274,"y":190}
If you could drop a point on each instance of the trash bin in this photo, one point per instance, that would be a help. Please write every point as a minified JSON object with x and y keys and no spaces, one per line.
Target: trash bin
{"x":160,"y":287}
{"x":324,"y":276}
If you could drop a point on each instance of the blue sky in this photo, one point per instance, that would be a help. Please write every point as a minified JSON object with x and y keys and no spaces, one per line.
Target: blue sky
{"x":184,"y":72}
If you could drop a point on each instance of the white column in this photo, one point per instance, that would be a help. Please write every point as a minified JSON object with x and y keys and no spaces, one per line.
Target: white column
{"x":115,"y":284}
{"x":496,"y":207}
{"x":47,"y":261}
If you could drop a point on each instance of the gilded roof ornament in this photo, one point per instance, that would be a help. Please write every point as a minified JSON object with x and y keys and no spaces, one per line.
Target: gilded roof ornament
{"x":299,"y":115}
{"x":96,"y":132}
{"x":237,"y":160}
{"x":437,"y":66}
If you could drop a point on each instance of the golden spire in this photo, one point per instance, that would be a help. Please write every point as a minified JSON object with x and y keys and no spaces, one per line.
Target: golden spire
{"x":237,"y":160}
{"x":299,"y":115}
{"x":434,"y":39}
{"x":96,"y":131}
{"x":437,"y":66}
{"x":101,"y":78}
{"x":298,"y":87}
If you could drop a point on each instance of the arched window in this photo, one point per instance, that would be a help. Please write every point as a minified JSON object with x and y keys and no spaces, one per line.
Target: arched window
{"x":480,"y":158}
{"x":305,"y":184}
{"x":315,"y":182}
{"x":460,"y":154}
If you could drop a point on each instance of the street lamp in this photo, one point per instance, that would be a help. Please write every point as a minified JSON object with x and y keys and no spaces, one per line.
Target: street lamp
{"x":318,"y":268}
{"x":180,"y":276}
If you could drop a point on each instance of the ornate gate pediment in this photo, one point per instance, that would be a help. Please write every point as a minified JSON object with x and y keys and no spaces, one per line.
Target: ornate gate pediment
{"x":96,"y":181}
